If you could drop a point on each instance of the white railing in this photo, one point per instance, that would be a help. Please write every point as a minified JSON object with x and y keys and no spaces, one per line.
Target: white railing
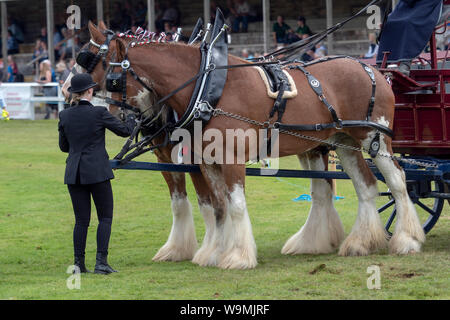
{"x":20,"y":98}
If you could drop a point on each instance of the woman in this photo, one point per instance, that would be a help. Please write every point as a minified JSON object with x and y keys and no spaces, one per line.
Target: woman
{"x":12,"y":69}
{"x":47,"y":75}
{"x":88,"y":172}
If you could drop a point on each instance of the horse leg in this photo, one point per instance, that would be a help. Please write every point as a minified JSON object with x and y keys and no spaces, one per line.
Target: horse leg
{"x":241,"y":250}
{"x":233,"y":246}
{"x":206,"y":209}
{"x":408,"y":233}
{"x":368,"y":233}
{"x":182,"y":242}
{"x":323,"y":231}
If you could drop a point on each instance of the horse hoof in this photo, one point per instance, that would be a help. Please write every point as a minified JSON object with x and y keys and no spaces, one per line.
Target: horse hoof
{"x":402,"y":243}
{"x":238,"y":259}
{"x":171,"y":253}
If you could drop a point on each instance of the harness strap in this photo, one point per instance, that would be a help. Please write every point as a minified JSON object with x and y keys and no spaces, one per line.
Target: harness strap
{"x":374,"y":87}
{"x":343,"y":124}
{"x":317,"y":88}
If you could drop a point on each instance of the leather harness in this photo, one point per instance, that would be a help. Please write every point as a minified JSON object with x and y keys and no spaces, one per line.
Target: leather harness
{"x":210,"y":81}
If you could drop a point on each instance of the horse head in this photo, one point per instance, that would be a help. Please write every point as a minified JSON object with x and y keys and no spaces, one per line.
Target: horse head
{"x":104,"y":57}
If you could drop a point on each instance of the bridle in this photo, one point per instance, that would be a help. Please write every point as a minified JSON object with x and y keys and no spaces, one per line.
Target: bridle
{"x":115,"y":81}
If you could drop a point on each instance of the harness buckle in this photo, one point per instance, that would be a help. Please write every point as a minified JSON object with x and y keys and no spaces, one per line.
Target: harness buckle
{"x":318,"y":127}
{"x":339,"y":125}
{"x":125,"y":64}
{"x":212,"y":67}
{"x":103,"y":49}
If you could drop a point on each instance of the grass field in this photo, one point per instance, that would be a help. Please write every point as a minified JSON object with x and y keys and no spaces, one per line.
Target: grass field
{"x":36,"y":222}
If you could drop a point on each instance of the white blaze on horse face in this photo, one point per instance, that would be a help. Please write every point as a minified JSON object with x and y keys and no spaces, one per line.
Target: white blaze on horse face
{"x":182,"y":242}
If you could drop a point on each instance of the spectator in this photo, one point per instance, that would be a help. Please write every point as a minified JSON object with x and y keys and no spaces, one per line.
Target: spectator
{"x":281,"y":31}
{"x":321,"y":50}
{"x":43,"y":35}
{"x":214,"y":7}
{"x":40,"y":50}
{"x":57,"y":37}
{"x":171,"y":14}
{"x":60,"y":68}
{"x":16,"y":30}
{"x":373,"y":47}
{"x":13,"y":46}
{"x":246,"y":54}
{"x":120,"y":18}
{"x":47,"y":75}
{"x":65,"y":74}
{"x":159,"y":12}
{"x":302,"y":27}
{"x":141,"y":13}
{"x":66,"y":48}
{"x":242,"y":14}
{"x":12,"y":69}
{"x":230,"y":13}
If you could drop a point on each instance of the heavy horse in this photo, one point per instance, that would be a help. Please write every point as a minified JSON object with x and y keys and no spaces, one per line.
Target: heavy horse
{"x":229,"y":242}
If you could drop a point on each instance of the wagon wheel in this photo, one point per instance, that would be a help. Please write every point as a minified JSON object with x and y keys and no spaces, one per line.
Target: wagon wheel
{"x":428,"y":208}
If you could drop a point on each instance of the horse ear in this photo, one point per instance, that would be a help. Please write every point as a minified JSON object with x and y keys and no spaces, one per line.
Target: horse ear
{"x":102,"y":26}
{"x":96,"y":34}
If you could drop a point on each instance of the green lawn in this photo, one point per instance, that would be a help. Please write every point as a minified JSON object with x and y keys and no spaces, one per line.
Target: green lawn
{"x":36,"y":222}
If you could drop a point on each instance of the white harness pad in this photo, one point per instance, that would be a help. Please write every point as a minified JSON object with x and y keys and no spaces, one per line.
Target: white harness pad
{"x":274,"y":95}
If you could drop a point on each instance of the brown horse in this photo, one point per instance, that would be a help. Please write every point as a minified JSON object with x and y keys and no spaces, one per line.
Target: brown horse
{"x":166,"y":66}
{"x":182,"y":242}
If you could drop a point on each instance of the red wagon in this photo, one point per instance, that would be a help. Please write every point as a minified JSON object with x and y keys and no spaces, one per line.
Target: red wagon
{"x":422,"y":130}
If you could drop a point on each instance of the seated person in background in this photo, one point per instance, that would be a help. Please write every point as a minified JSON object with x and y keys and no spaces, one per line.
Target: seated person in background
{"x":312,"y":54}
{"x":321,"y":51}
{"x":302,"y":28}
{"x":12,"y":69}
{"x":16,"y":30}
{"x":373,"y":47}
{"x":141,"y":13}
{"x":13,"y":45}
{"x":247,"y":55}
{"x":213,"y":8}
{"x":171,"y":14}
{"x":68,"y":69}
{"x":281,"y":31}
{"x":242,"y":15}
{"x":40,"y":50}
{"x":47,"y":75}
{"x":407,"y":31}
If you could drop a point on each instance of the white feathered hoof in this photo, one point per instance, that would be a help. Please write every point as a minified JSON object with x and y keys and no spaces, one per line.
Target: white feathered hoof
{"x":403,"y":243}
{"x":309,"y":241}
{"x":205,"y":257}
{"x":363,"y":245}
{"x":169,"y":252}
{"x":239,"y":258}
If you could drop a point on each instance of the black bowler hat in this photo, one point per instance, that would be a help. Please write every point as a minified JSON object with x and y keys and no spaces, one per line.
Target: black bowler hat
{"x":81,"y":82}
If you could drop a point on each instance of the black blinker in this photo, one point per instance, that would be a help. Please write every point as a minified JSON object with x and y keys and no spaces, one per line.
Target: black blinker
{"x":114,"y":82}
{"x":84,"y":58}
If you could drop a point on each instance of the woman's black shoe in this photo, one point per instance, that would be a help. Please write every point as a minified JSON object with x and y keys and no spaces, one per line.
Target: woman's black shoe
{"x":101,"y":265}
{"x":79,"y":262}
